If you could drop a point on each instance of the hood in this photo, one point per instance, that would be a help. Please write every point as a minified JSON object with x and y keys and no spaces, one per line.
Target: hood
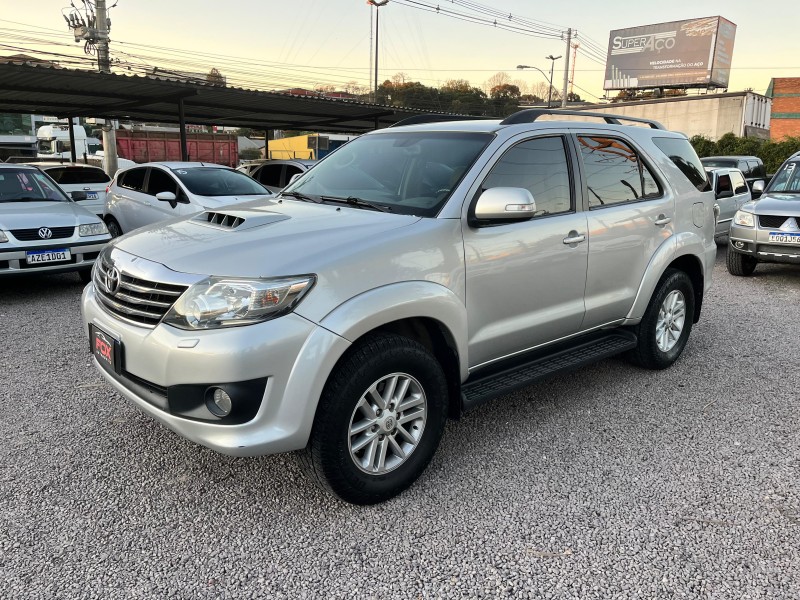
{"x":775,"y":203}
{"x":28,"y":215}
{"x":263,"y":238}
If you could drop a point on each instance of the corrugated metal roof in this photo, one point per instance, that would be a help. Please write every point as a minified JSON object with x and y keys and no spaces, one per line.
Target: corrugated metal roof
{"x":68,"y":92}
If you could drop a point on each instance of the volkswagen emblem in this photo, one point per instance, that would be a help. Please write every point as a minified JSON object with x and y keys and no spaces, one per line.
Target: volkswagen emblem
{"x":45,"y":233}
{"x":112,"y":280}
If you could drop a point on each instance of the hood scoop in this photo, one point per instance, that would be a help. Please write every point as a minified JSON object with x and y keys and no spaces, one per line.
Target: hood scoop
{"x":238,"y":219}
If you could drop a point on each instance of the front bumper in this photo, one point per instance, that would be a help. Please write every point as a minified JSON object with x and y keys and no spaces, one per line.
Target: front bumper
{"x":754,"y":241}
{"x":82,"y":255}
{"x":293,"y":355}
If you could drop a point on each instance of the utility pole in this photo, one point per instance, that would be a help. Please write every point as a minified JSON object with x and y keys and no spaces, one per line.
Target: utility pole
{"x":377,"y":4}
{"x":566,"y":69}
{"x":104,"y":62}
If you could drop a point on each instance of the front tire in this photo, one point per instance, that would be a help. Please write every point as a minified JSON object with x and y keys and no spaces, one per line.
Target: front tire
{"x":667,"y":322}
{"x":113,"y":227}
{"x":740,"y":264}
{"x":379,"y":421}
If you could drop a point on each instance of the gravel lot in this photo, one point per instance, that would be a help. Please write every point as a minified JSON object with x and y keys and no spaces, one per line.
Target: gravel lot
{"x":610,"y":483}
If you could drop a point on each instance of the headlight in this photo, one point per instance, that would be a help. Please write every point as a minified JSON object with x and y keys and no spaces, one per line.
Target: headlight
{"x":3,"y":237}
{"x":92,"y":229}
{"x":228,"y":301}
{"x":745,"y":219}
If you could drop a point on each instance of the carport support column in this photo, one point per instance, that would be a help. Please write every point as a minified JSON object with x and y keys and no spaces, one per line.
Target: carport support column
{"x":72,"y":151}
{"x":182,"y":125}
{"x":104,"y":62}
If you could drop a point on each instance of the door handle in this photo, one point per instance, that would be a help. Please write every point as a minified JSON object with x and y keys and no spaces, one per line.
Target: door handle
{"x":573,"y":237}
{"x":662,"y":220}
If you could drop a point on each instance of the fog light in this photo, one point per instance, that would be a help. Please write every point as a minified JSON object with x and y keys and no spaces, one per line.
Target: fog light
{"x":220,"y":403}
{"x":738,"y":244}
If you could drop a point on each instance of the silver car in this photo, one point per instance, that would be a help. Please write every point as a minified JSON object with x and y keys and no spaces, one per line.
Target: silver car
{"x":42,"y":230}
{"x":768,"y":229}
{"x":154,"y":192}
{"x":412,"y":275}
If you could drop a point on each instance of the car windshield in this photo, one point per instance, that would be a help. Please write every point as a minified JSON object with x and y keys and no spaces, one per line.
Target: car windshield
{"x":787,"y":180}
{"x":25,"y":185}
{"x":404,"y":172}
{"x":209,"y":181}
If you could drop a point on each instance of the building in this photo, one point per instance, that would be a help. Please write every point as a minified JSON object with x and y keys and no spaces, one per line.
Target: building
{"x":311,"y":147}
{"x":785,"y":94}
{"x":711,"y":115}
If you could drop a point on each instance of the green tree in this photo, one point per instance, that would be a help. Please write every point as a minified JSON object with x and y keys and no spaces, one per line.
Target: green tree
{"x":214,"y":77}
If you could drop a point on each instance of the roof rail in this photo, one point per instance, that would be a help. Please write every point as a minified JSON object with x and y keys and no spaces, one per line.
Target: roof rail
{"x":531,"y":114}
{"x":420,"y":119}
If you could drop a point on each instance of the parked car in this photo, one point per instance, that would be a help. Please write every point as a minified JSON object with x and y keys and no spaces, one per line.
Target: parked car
{"x":277,"y":174}
{"x":414,"y":274}
{"x":768,"y":229}
{"x":248,"y":167}
{"x":42,"y":230}
{"x":154,"y":192}
{"x":731,"y":192}
{"x":78,"y":177}
{"x":752,"y":167}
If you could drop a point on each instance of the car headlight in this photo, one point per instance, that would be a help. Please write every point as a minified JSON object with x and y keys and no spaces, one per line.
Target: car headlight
{"x":745,"y":219}
{"x":3,"y":237}
{"x":229,"y":301}
{"x":92,"y":229}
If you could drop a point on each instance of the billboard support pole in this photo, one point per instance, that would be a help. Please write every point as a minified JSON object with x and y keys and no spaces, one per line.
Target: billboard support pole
{"x":566,"y":69}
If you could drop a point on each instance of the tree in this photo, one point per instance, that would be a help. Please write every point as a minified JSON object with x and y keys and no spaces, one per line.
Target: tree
{"x":504,"y":92}
{"x":496,"y":80}
{"x":214,"y":77}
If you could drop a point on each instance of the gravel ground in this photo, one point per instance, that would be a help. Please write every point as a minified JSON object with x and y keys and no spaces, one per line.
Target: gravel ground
{"x":610,"y":483}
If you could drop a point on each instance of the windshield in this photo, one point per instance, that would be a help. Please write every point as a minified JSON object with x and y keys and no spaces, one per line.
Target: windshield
{"x":405,"y":172}
{"x":787,"y":180}
{"x":17,"y":185}
{"x":46,"y":147}
{"x":209,"y":181}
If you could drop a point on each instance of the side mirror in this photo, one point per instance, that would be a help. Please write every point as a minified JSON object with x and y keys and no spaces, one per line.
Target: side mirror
{"x":166,"y":197}
{"x":505,"y":204}
{"x":758,"y":186}
{"x":78,"y":196}
{"x":725,"y":194}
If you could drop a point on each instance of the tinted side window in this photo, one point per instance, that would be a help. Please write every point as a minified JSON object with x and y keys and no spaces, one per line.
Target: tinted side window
{"x":270,"y":175}
{"x":756,"y":169}
{"x":724,"y":184}
{"x":133,"y":179}
{"x":540,"y":166}
{"x":159,"y":181}
{"x":739,"y":185}
{"x":614,"y":172}
{"x":680,"y":151}
{"x":291,"y":171}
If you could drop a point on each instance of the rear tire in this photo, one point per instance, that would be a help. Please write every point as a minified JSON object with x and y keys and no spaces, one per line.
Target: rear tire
{"x":667,"y":322}
{"x":357,"y":450}
{"x":113,"y":227}
{"x":740,"y":264}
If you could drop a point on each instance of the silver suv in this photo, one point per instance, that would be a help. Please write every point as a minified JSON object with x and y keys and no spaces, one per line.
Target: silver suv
{"x":415,"y":273}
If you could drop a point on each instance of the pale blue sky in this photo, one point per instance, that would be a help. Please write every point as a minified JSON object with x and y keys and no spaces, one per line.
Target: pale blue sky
{"x":327,"y":41}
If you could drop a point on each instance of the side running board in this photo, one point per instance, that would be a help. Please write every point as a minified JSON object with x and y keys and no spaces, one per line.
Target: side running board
{"x":481,"y":389}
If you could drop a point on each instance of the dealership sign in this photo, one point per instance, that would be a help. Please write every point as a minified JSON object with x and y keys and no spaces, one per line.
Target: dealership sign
{"x":693,"y":53}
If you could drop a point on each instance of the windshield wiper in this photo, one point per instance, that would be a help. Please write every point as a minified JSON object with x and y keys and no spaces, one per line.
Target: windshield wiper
{"x":299,"y":196}
{"x":353,"y":201}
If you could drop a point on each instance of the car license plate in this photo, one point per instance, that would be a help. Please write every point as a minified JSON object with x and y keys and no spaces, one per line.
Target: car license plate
{"x":106,"y":349}
{"x":46,"y":256}
{"x":784,"y":238}
{"x":91,"y":195}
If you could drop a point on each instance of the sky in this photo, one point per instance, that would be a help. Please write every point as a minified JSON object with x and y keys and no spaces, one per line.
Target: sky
{"x":304,"y":43}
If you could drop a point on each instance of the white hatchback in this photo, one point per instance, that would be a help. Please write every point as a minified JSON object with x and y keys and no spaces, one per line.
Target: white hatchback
{"x":77,"y":177}
{"x":153,"y":192}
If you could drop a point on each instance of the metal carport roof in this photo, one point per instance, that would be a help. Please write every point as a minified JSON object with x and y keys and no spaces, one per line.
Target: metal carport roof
{"x":62,"y":92}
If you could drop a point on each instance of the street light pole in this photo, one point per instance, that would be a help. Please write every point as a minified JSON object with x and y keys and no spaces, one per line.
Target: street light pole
{"x":549,"y":81}
{"x":377,"y":4}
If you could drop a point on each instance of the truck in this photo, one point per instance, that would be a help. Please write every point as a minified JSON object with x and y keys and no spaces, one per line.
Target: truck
{"x":139,"y":146}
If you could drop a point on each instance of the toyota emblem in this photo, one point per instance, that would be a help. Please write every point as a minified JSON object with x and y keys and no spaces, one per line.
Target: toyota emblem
{"x":112,"y":280}
{"x":45,"y":233}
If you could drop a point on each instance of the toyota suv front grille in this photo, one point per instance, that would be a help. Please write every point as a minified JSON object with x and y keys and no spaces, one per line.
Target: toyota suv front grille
{"x":132,"y":299}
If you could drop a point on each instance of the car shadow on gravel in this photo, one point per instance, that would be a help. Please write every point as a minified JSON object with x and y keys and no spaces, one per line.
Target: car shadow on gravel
{"x":35,"y":285}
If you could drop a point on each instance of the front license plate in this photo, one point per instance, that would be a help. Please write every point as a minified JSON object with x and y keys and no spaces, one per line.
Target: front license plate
{"x":784,"y":238}
{"x":47,"y":256}
{"x":91,"y":195}
{"x":106,"y":349}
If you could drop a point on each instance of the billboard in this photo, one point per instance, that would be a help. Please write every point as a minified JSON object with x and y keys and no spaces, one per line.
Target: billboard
{"x":692,"y":53}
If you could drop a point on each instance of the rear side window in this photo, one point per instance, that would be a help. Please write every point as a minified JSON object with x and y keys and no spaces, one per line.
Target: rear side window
{"x":724,"y":184}
{"x":78,"y":175}
{"x":680,"y":152}
{"x":133,"y":179}
{"x":159,"y":181}
{"x":540,"y":166}
{"x":756,"y":169}
{"x":270,"y":175}
{"x":291,"y":171}
{"x":615,"y":174}
{"x":739,"y":185}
